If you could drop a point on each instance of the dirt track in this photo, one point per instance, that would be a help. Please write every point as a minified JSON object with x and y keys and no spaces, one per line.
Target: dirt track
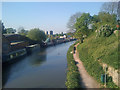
{"x":86,"y":80}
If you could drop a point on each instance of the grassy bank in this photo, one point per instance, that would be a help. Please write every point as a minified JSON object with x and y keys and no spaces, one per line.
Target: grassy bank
{"x":95,"y":50}
{"x":72,"y":72}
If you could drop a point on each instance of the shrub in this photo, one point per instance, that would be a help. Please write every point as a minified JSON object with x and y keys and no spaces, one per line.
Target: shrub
{"x":104,"y":31}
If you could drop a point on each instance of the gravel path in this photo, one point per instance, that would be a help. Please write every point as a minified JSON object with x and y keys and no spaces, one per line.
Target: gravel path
{"x":86,"y":80}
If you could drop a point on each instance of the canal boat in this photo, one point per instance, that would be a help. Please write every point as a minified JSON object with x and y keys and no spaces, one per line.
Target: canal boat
{"x":13,"y":55}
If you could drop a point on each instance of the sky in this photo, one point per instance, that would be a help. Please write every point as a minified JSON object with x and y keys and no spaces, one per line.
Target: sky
{"x":44,"y":15}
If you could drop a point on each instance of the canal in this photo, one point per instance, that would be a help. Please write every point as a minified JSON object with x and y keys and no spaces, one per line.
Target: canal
{"x":44,"y":68}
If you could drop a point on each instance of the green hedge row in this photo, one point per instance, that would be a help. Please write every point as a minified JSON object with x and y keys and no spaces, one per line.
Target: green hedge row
{"x":72,"y":72}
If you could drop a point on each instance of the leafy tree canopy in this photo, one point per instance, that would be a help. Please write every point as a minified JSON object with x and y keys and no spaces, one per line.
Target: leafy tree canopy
{"x":37,"y":35}
{"x":84,"y":20}
{"x":106,"y":18}
{"x":10,"y":30}
{"x":72,"y":21}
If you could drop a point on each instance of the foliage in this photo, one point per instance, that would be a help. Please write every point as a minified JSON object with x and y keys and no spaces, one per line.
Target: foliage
{"x":72,"y":21}
{"x":2,"y":28}
{"x":84,"y":20}
{"x":106,"y":18}
{"x":81,"y":26}
{"x":79,"y":35}
{"x":104,"y":50}
{"x":104,"y":31}
{"x":110,"y":7}
{"x":10,"y":30}
{"x":72,"y":72}
{"x":37,"y":35}
{"x":23,"y":32}
{"x":95,"y":18}
{"x":118,"y":10}
{"x":70,"y":34}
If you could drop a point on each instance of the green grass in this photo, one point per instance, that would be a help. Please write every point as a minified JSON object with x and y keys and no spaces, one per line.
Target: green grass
{"x":72,"y":72}
{"x":104,"y":49}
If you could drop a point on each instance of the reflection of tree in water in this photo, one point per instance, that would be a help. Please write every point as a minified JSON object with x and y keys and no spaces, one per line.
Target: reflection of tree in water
{"x":39,"y":58}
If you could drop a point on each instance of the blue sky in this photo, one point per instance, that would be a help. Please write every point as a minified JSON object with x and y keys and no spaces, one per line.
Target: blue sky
{"x":44,"y":15}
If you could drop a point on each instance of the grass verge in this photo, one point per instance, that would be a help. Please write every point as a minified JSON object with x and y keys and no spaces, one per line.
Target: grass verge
{"x":73,"y":75}
{"x":95,"y":50}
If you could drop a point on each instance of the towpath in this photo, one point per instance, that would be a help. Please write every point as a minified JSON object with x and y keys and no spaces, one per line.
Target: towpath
{"x":85,"y":79}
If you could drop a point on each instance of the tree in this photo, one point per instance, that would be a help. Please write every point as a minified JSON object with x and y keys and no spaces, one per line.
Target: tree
{"x":72,"y":21}
{"x":79,"y":35}
{"x":82,"y":23}
{"x":118,"y":10}
{"x":22,"y":31}
{"x":81,"y":26}
{"x":70,"y":34}
{"x":104,"y":31}
{"x":10,"y":30}
{"x":95,"y":18}
{"x":84,"y":20}
{"x":2,"y":28}
{"x":110,"y":7}
{"x":37,"y":35}
{"x":106,"y":18}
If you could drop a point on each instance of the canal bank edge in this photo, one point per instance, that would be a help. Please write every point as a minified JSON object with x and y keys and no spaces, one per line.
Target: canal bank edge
{"x":73,"y":76}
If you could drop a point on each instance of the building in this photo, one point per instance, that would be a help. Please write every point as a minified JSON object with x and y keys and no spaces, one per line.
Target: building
{"x":51,"y":32}
{"x":46,"y":32}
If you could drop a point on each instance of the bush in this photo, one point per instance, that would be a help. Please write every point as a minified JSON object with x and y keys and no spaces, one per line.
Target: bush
{"x":104,"y":31}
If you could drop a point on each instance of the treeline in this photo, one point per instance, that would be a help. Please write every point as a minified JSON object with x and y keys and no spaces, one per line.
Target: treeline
{"x":83,"y":24}
{"x":35,"y":34}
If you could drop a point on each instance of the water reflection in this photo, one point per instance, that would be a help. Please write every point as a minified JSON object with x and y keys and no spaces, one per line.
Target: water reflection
{"x":43,"y":68}
{"x":34,"y":59}
{"x":39,"y":58}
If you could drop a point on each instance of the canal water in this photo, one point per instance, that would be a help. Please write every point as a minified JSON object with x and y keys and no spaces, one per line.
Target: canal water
{"x":44,"y":68}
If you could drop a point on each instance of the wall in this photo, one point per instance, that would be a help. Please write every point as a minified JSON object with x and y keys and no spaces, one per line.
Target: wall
{"x":112,"y":72}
